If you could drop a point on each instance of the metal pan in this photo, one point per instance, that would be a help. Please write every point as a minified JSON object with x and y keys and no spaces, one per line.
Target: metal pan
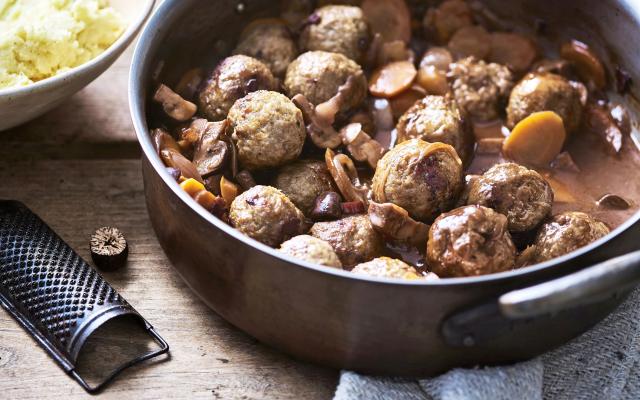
{"x":377,"y":326}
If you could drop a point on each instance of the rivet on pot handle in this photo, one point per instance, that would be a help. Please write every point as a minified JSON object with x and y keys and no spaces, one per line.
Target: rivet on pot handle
{"x":481,"y":324}
{"x":584,"y":287}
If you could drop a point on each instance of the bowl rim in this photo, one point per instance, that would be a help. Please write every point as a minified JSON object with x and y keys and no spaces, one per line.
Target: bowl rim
{"x":111,"y":52}
{"x":136,"y":94}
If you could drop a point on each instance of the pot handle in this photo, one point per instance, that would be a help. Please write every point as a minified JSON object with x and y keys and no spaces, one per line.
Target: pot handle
{"x":588,"y":286}
{"x":481,"y":324}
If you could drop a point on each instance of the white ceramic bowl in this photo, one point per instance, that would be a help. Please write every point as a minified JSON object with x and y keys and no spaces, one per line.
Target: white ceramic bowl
{"x":22,"y":104}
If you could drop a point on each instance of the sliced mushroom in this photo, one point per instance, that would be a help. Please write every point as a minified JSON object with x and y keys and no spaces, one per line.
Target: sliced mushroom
{"x":360,"y":145}
{"x":320,"y":119}
{"x":345,"y":175}
{"x":211,"y":152}
{"x":174,"y":159}
{"x":395,"y":223}
{"x":600,"y":122}
{"x":613,"y":202}
{"x":587,"y":64}
{"x":163,"y":140}
{"x":173,"y":104}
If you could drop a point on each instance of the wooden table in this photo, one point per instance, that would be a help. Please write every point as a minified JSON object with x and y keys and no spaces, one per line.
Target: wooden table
{"x":78,"y":168}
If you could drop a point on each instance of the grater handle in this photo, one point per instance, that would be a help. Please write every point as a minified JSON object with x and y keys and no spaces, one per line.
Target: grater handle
{"x":164,"y":349}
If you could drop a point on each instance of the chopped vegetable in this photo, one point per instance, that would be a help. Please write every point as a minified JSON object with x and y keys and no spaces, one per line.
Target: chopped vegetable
{"x":360,"y":145}
{"x":395,"y":223}
{"x":432,"y":75}
{"x":599,"y":121}
{"x":173,"y":105}
{"x":471,"y":40}
{"x":327,"y":207}
{"x":203,"y":197}
{"x":561,"y":193}
{"x":536,"y":140}
{"x":587,"y":64}
{"x":352,"y":208}
{"x":404,"y":101}
{"x":513,"y":50}
{"x":613,"y":202}
{"x":228,"y":190}
{"x":443,"y":21}
{"x":345,"y":175}
{"x":390,"y":18}
{"x":392,"y":79}
{"x":189,"y":83}
{"x":211,"y":152}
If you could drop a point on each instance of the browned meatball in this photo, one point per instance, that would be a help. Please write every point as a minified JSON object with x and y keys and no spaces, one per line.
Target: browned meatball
{"x":470,"y":241}
{"x":545,"y":92}
{"x":267,"y":215}
{"x":338,"y":29}
{"x":353,"y":239}
{"x":385,"y":267}
{"x":565,"y":233}
{"x":232,"y":79}
{"x":268,"y":130}
{"x":311,"y":249}
{"x":270,"y":43}
{"x":318,"y":75}
{"x":521,"y":194}
{"x":437,"y":119}
{"x":423,"y":178}
{"x":480,"y":89}
{"x":303,"y":181}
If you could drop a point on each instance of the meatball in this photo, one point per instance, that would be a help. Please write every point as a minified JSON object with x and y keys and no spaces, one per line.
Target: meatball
{"x":303,"y":181}
{"x":470,"y":241}
{"x":437,"y":119}
{"x":565,"y":233}
{"x":232,"y":79}
{"x":311,"y":249}
{"x":481,"y":89}
{"x":267,"y":215}
{"x":353,"y":239}
{"x":385,"y":267}
{"x":545,"y":92}
{"x":270,"y":43}
{"x":318,"y":75}
{"x":268,"y":130}
{"x":338,"y":29}
{"x":521,"y":194}
{"x":423,"y":178}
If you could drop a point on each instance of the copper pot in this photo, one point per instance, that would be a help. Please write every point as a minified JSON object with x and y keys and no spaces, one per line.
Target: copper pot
{"x":370,"y":325}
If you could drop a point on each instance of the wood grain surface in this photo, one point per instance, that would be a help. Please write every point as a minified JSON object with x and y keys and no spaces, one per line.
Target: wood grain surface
{"x":78,"y":168}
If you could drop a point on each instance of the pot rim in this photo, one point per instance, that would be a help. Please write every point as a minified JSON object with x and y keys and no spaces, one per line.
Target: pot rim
{"x":136,"y":93}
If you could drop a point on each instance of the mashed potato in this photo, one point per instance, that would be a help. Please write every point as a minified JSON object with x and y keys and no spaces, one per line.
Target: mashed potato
{"x":42,"y":38}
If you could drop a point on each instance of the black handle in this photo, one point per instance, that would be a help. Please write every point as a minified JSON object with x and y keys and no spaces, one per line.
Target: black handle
{"x":592,"y":285}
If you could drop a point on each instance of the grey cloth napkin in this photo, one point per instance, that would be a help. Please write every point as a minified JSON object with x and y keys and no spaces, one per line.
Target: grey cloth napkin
{"x":603,"y":363}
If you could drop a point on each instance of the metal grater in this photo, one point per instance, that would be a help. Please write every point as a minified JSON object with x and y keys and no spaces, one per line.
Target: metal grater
{"x":54,"y":294}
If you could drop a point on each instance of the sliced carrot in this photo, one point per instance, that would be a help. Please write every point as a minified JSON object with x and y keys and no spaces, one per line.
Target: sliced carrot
{"x":587,"y":64}
{"x":471,"y":40}
{"x":392,"y":79}
{"x":536,"y":140}
{"x":405,"y":100}
{"x":513,"y":50}
{"x":228,"y":190}
{"x":390,"y":18}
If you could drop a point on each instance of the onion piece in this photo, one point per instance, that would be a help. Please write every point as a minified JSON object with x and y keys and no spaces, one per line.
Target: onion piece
{"x":345,"y":175}
{"x":395,"y":223}
{"x":173,"y":104}
{"x":392,"y":79}
{"x":360,"y":145}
